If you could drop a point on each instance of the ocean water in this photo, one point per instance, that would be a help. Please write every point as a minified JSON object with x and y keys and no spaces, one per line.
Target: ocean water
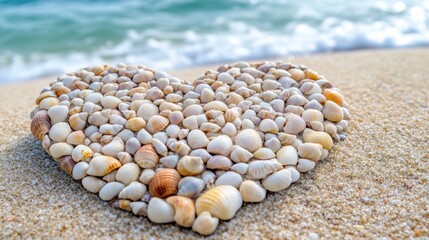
{"x":45,"y":37}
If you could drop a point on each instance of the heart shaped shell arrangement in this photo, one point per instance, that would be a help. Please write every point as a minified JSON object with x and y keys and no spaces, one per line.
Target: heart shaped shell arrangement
{"x":189,"y":152}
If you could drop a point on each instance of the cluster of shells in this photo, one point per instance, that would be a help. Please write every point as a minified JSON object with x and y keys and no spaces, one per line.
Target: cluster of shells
{"x":189,"y":153}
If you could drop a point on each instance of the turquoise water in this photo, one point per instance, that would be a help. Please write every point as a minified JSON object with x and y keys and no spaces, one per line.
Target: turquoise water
{"x":39,"y":38}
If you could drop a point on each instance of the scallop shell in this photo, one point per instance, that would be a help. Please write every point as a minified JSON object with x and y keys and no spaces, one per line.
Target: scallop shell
{"x":133,"y":191}
{"x":333,"y":112}
{"x":190,"y":187}
{"x":184,"y":210}
{"x":40,"y":125}
{"x":260,"y":169}
{"x":277,"y":181}
{"x":128,"y":173}
{"x":102,"y":165}
{"x":249,"y":139}
{"x":221,"y":202}
{"x":146,"y":156}
{"x":205,"y":224}
{"x":264,"y":153}
{"x":159,"y":211}
{"x":164,"y":183}
{"x":156,"y":123}
{"x":252,"y":192}
{"x":321,"y":138}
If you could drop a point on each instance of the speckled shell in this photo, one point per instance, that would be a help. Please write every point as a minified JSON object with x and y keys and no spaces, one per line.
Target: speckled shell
{"x":164,"y":183}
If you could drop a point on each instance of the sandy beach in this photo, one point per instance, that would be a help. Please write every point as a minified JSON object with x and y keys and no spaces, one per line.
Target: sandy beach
{"x":375,"y":184}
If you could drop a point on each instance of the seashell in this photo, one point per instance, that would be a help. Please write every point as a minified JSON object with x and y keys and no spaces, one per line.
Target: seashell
{"x":311,"y":151}
{"x":184,"y":210}
{"x":262,"y":168}
{"x":44,"y":95}
{"x":58,"y":113}
{"x":110,"y":177}
{"x":297,"y":100}
{"x":229,"y":178}
{"x":190,"y":187}
{"x":132,"y":145}
{"x":79,"y":170}
{"x":173,"y":98}
{"x":139,"y":208}
{"x":95,"y":147}
{"x":221,"y":145}
{"x":169,"y":106}
{"x":334,"y":96}
{"x":146,"y":176}
{"x":316,"y":126}
{"x":297,"y":74}
{"x":221,"y":202}
{"x":274,"y":144}
{"x":154,"y":93}
{"x":240,"y":154}
{"x":190,"y":122}
{"x":100,"y":118}
{"x":324,"y":154}
{"x":78,"y":121}
{"x":61,"y":149}
{"x":144,"y":137}
{"x":207,"y":95}
{"x":321,"y":138}
{"x":190,"y":166}
{"x":164,"y":183}
{"x":170,"y":161}
{"x":106,"y":139}
{"x":252,"y":192}
{"x":159,"y":211}
{"x":76,"y":138}
{"x":305,"y":165}
{"x":229,"y":129}
{"x":287,"y":155}
{"x":209,"y":178}
{"x":93,"y":184}
{"x":110,"y":190}
{"x":143,"y":76}
{"x":124,"y":158}
{"x":59,"y":132}
{"x":146,"y":156}
{"x":202,"y":153}
{"x":48,"y":102}
{"x":205,"y":224}
{"x":67,"y":164}
{"x":172,"y":131}
{"x":268,"y":126}
{"x":135,"y":124}
{"x":197,"y":139}
{"x":210,"y":127}
{"x":40,"y":125}
{"x":193,"y":110}
{"x":147,"y":110}
{"x":46,"y":143}
{"x":102,"y":165}
{"x":277,"y":181}
{"x":278,"y":105}
{"x":160,"y":147}
{"x":219,"y":162}
{"x":110,"y":102}
{"x":286,"y":139}
{"x":311,"y":115}
{"x":81,"y":153}
{"x":294,"y":125}
{"x":313,"y":104}
{"x":294,"y":173}
{"x":215,"y":105}
{"x":114,"y":147}
{"x":156,"y":123}
{"x":249,"y":139}
{"x":333,"y":112}
{"x":180,"y":147}
{"x":240,"y":168}
{"x":176,"y":117}
{"x":128,"y":173}
{"x":134,"y":191}
{"x":264,"y":153}
{"x":123,"y":204}
{"x":268,"y":85}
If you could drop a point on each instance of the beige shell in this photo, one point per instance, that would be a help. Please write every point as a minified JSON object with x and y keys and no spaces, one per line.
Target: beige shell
{"x":193,"y":110}
{"x":61,"y":149}
{"x":260,"y":169}
{"x":249,"y":139}
{"x":180,"y":147}
{"x":159,"y":211}
{"x":76,"y":137}
{"x":184,"y":210}
{"x":147,"y":110}
{"x":133,"y":191}
{"x":251,"y":191}
{"x":321,"y":138}
{"x":312,"y":151}
{"x":333,"y":112}
{"x":164,"y":183}
{"x":58,"y":113}
{"x":219,"y":162}
{"x":311,"y":115}
{"x":93,"y":184}
{"x":229,"y":178}
{"x":221,"y":202}
{"x":110,"y":102}
{"x":215,"y":105}
{"x":78,"y":121}
{"x":205,"y":224}
{"x":49,"y":102}
{"x":190,"y":166}
{"x":114,"y":147}
{"x":146,"y":176}
{"x":40,"y":125}
{"x":287,"y":155}
{"x":81,"y":153}
{"x":102,"y":165}
{"x":146,"y":156}
{"x":197,"y":139}
{"x":59,"y":132}
{"x":156,"y":123}
{"x":240,"y":154}
{"x":264,"y":153}
{"x":268,"y":126}
{"x":294,"y":125}
{"x":128,"y":173}
{"x":135,"y":124}
{"x":160,"y":147}
{"x":294,"y":173}
{"x":110,"y":190}
{"x":334,"y":96}
{"x":277,"y":181}
{"x":221,"y":145}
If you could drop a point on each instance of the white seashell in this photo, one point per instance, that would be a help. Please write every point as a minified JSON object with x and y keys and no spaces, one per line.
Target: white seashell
{"x":305,"y":165}
{"x":172,"y":130}
{"x":273,"y":143}
{"x":58,"y":150}
{"x":333,"y":112}
{"x":144,"y":137}
{"x":264,"y":153}
{"x":124,"y":158}
{"x":209,"y":178}
{"x":229,"y":178}
{"x":240,"y":168}
{"x":110,"y":190}
{"x":251,"y":191}
{"x":287,"y":155}
{"x":247,"y":124}
{"x":59,"y":132}
{"x":249,"y":139}
{"x":81,"y":153}
{"x":102,"y":165}
{"x":90,"y":108}
{"x":132,"y":145}
{"x":215,"y":105}
{"x":110,"y":102}
{"x":159,"y":211}
{"x":128,"y":173}
{"x":193,"y":110}
{"x":229,"y":129}
{"x":190,"y":122}
{"x":79,"y":170}
{"x":134,"y":191}
{"x":311,"y":151}
{"x":197,"y":139}
{"x":114,"y":147}
{"x":100,"y":118}
{"x":93,"y":184}
{"x":277,"y":181}
{"x":170,"y":161}
{"x":49,"y":102}
{"x":268,"y":126}
{"x":311,"y":115}
{"x":219,"y":162}
{"x":205,"y":224}
{"x":294,"y":125}
{"x":176,"y":117}
{"x":202,"y":153}
{"x":260,"y":169}
{"x":146,"y":176}
{"x":221,"y":201}
{"x":286,"y":139}
{"x":58,"y":113}
{"x":207,"y":95}
{"x":76,"y":137}
{"x":190,"y":187}
{"x":109,"y":129}
{"x":294,"y":173}
{"x":240,"y":154}
{"x":210,"y":127}
{"x":324,"y":154}
{"x":160,"y":147}
{"x":221,"y":145}
{"x":139,"y":208}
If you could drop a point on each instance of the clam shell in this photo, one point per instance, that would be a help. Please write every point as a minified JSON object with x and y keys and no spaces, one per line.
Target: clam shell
{"x":159,"y":211}
{"x":277,"y":181}
{"x":58,"y":113}
{"x":252,"y":192}
{"x":215,"y":105}
{"x":40,"y":125}
{"x":59,"y":132}
{"x":264,"y":153}
{"x":321,"y":138}
{"x":76,"y":138}
{"x":48,"y":102}
{"x":146,"y":156}
{"x":202,"y":153}
{"x":333,"y":112}
{"x":274,"y":144}
{"x":311,"y":115}
{"x":190,"y":187}
{"x":240,"y":154}
{"x":132,"y":145}
{"x":229,"y":178}
{"x":197,"y":139}
{"x":311,"y":151}
{"x":294,"y":125}
{"x":114,"y":147}
{"x":260,"y":169}
{"x":268,"y":126}
{"x":170,"y":161}
{"x":102,"y":165}
{"x":190,"y":166}
{"x":305,"y":165}
{"x":334,"y":96}
{"x":193,"y":110}
{"x":134,"y":191}
{"x":249,"y":139}
{"x":164,"y":183}
{"x":221,"y":145}
{"x":128,"y":173}
{"x":219,"y":162}
{"x":294,"y":173}
{"x":79,"y":170}
{"x":93,"y":184}
{"x":110,"y":190}
{"x":144,"y":137}
{"x":156,"y":123}
{"x":205,"y":224}
{"x":221,"y":202}
{"x":184,"y":210}
{"x":287,"y":155}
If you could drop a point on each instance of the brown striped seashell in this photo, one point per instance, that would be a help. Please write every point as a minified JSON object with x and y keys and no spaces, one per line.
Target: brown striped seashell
{"x":40,"y":125}
{"x":67,"y":164}
{"x":156,"y":123}
{"x":164,"y":183}
{"x":146,"y":156}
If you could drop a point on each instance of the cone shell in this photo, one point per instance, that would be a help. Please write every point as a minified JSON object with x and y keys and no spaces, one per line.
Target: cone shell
{"x":205,"y":224}
{"x":184,"y":210}
{"x":321,"y":138}
{"x":252,"y":192}
{"x":156,"y":123}
{"x":102,"y":165}
{"x":277,"y":181}
{"x":146,"y":156}
{"x":40,"y":125}
{"x":221,"y":202}
{"x":249,"y":139}
{"x":164,"y":183}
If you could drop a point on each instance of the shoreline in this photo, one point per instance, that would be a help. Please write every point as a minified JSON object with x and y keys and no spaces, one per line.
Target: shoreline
{"x":374,"y":185}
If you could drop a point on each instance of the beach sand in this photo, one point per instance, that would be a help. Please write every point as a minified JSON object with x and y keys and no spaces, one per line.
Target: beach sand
{"x":375,"y":183}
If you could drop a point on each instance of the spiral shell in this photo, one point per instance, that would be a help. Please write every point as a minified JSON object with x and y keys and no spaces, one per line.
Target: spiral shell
{"x":164,"y":183}
{"x":40,"y":125}
{"x":221,"y":202}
